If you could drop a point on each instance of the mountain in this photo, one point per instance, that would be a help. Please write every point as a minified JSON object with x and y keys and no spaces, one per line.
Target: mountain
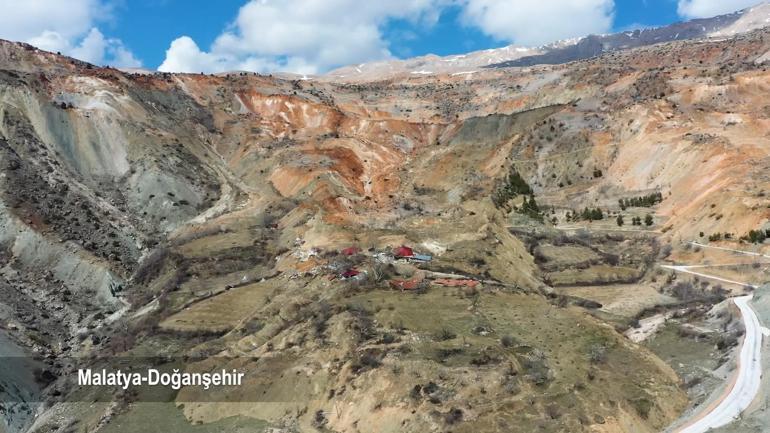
{"x":431,"y":64}
{"x":559,"y":52}
{"x":425,"y":253}
{"x":594,"y":45}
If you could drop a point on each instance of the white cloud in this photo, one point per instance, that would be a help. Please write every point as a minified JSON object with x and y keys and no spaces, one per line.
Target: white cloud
{"x":65,"y":26}
{"x":528,"y":22}
{"x":710,"y":8}
{"x":184,"y":56}
{"x":303,"y":36}
{"x":95,"y":48}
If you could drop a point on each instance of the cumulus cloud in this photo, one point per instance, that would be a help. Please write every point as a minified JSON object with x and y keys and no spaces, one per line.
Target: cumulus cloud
{"x":303,"y":36}
{"x":710,"y":8}
{"x":531,"y":23}
{"x":95,"y":48}
{"x":64,"y":26}
{"x":311,"y":36}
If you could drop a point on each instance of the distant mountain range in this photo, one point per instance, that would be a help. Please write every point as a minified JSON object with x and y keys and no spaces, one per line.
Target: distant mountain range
{"x":562,"y":51}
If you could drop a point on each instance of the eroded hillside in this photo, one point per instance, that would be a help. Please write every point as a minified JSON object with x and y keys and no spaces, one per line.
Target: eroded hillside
{"x":261,"y":218}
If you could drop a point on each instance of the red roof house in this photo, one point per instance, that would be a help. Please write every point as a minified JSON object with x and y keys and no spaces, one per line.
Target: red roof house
{"x":403,"y":251}
{"x":350,"y":273}
{"x":351,"y":251}
{"x":411,"y":284}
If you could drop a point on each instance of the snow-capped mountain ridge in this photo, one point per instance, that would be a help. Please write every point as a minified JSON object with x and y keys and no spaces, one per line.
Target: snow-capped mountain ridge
{"x":561,"y":51}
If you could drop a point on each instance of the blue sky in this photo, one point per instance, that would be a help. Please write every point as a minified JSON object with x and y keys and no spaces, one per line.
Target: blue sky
{"x":169,"y":19}
{"x":312,"y":36}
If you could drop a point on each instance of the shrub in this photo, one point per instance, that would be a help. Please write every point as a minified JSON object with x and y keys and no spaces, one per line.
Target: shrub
{"x":507,"y":341}
{"x":597,"y":353}
{"x":454,"y":416}
{"x":445,"y":334}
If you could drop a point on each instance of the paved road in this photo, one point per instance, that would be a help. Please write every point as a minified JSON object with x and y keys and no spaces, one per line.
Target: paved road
{"x":746,"y":381}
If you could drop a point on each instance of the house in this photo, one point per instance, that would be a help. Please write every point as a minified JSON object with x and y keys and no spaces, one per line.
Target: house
{"x":350,"y":273}
{"x":350,"y":251}
{"x":408,"y":284}
{"x":403,"y":252}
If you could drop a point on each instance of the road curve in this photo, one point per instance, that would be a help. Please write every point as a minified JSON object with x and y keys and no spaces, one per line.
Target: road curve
{"x":746,"y":382}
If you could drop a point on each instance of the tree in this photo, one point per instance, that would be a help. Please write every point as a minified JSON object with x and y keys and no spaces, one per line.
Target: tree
{"x":648,"y":220}
{"x":620,"y":220}
{"x":531,"y":209}
{"x":756,"y":236}
{"x":513,"y":185}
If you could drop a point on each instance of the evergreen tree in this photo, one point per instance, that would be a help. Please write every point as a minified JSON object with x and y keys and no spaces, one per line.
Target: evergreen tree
{"x":513,"y":186}
{"x":648,"y":220}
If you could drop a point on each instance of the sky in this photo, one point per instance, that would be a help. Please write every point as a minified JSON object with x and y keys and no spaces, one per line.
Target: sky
{"x":315,"y":36}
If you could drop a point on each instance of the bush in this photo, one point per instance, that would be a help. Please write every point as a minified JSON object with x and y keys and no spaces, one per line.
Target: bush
{"x":319,"y":420}
{"x":507,"y":341}
{"x":445,"y":334}
{"x":597,"y":353}
{"x":367,"y":361}
{"x":642,"y":407}
{"x":454,"y":416}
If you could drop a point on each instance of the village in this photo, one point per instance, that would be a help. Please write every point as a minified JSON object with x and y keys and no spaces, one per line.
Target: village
{"x":401,"y":268}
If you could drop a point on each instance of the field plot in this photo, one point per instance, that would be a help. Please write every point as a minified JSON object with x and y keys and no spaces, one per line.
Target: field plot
{"x":626,"y":300}
{"x":222,"y":312}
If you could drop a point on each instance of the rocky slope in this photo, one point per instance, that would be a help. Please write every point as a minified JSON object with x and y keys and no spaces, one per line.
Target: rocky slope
{"x":251,"y":216}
